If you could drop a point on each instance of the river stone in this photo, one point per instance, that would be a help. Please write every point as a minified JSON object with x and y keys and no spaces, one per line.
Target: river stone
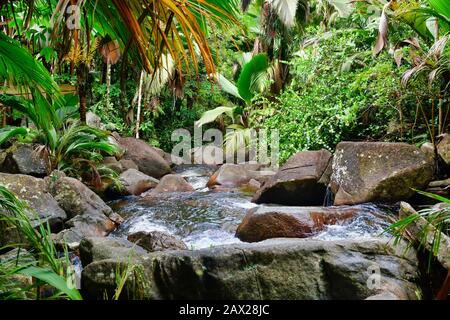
{"x":128,"y":164}
{"x":26,"y":159}
{"x":157,"y":241}
{"x":299,"y":269}
{"x":301,"y":181}
{"x":172,"y":183}
{"x":229,"y":176}
{"x":263,"y":223}
{"x":113,"y":164}
{"x":135,"y":182}
{"x":146,"y":157}
{"x":237,"y":175}
{"x":378,"y":172}
{"x":97,"y":248}
{"x":34,"y":192}
{"x":75,"y":198}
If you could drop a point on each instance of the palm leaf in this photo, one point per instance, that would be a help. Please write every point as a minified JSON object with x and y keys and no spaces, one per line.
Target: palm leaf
{"x":10,"y":132}
{"x":250,"y":72}
{"x":52,"y":279}
{"x":227,"y":86}
{"x":211,"y":115}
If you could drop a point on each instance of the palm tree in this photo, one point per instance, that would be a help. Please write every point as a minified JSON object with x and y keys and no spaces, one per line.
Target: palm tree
{"x":18,"y":68}
{"x":277,"y":17}
{"x":148,"y":30}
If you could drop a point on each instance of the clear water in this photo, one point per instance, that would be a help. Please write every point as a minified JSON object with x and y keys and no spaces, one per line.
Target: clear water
{"x":206,"y":218}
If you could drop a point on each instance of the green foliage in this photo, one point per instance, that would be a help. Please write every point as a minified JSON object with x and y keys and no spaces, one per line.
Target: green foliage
{"x":80,"y":150}
{"x":338,"y":92}
{"x":248,"y":81}
{"x":437,"y":223}
{"x":47,"y":266}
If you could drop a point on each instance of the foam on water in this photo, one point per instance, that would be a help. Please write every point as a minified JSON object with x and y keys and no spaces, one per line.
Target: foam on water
{"x":205,"y":218}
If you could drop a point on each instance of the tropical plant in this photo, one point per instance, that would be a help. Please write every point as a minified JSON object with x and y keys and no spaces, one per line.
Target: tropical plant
{"x":46,"y":267}
{"x":253,"y":79}
{"x":277,"y":19}
{"x":80,"y":149}
{"x":431,"y":224}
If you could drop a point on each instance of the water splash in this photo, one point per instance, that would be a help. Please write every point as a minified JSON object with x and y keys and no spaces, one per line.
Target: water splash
{"x":206,"y":218}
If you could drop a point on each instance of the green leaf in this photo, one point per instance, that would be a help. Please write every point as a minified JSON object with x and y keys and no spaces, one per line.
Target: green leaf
{"x":52,"y":279}
{"x":251,"y":72}
{"x":9,"y":132}
{"x":441,"y":6}
{"x":211,"y":115}
{"x":227,"y":86}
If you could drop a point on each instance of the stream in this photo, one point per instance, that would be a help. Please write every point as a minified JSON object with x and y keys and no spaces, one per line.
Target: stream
{"x":206,"y":218}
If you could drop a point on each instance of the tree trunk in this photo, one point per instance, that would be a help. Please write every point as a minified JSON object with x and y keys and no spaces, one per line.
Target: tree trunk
{"x":138,"y":115}
{"x":82,"y":74}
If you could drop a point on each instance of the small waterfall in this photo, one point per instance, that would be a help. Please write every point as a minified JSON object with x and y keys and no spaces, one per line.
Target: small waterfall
{"x":329,"y":197}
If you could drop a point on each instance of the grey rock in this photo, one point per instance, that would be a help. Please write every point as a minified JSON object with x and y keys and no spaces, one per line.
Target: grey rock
{"x":98,"y":248}
{"x":157,"y":241}
{"x":135,"y":182}
{"x":148,"y":160}
{"x":273,"y":269}
{"x":378,"y":172}
{"x":302,"y":180}
{"x":172,"y":183}
{"x":26,"y":159}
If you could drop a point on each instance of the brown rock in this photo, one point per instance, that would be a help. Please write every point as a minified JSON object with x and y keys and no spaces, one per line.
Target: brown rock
{"x":172,"y":183}
{"x":135,"y":182}
{"x":147,"y":158}
{"x":378,"y":172}
{"x":302,"y":180}
{"x":290,"y":222}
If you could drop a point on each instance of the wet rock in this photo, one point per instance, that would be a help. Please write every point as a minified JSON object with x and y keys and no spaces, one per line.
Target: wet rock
{"x":75,"y":198}
{"x":263,"y":223}
{"x":25,"y":158}
{"x":113,"y":164}
{"x":274,"y":269}
{"x":135,"y":182}
{"x":147,"y":158}
{"x":172,"y":183}
{"x":128,"y":164}
{"x":302,"y":180}
{"x":34,"y":193}
{"x":236,"y":175}
{"x":378,"y":172}
{"x":95,"y":249}
{"x":157,"y":241}
{"x":229,"y":176}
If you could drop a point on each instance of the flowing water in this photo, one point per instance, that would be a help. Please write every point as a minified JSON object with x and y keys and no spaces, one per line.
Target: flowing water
{"x":206,"y":218}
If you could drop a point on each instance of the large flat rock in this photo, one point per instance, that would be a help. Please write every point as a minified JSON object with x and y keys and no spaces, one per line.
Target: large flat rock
{"x":273,"y":269}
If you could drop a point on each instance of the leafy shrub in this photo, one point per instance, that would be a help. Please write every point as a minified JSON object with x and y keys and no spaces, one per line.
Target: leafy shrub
{"x":339,"y":91}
